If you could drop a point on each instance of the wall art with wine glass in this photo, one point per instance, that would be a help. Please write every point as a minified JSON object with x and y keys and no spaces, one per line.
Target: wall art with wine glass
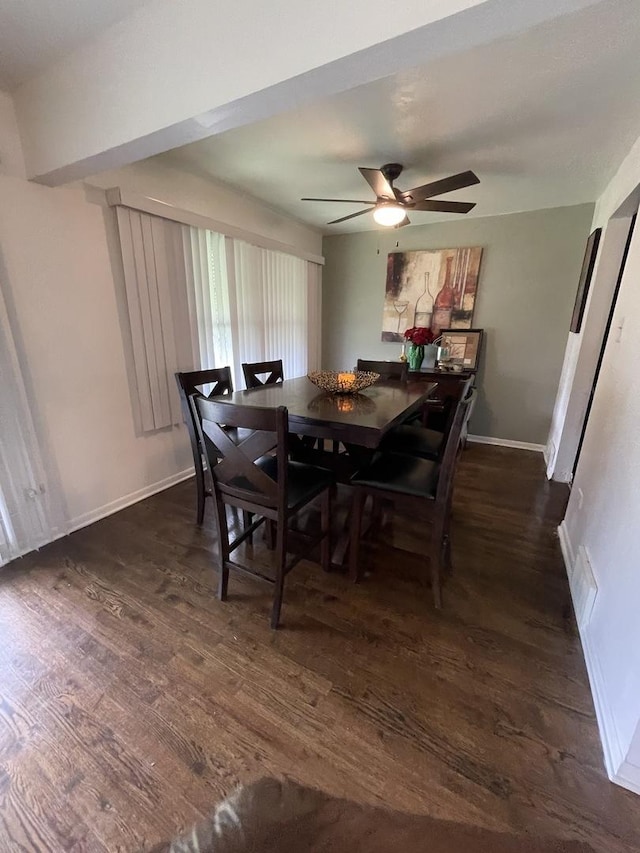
{"x":435,"y":288}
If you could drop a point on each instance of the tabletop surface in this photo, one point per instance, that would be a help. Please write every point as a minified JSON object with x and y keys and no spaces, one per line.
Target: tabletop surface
{"x":376,"y":408}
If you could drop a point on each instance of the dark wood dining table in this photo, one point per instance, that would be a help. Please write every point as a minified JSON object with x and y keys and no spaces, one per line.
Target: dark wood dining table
{"x":356,"y":420}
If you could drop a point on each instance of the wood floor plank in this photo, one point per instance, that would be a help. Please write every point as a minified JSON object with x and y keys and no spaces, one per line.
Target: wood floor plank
{"x":131,"y":700}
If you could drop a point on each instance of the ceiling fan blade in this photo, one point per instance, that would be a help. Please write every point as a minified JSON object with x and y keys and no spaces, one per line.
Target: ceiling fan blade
{"x":444,"y":206}
{"x":446,"y":185}
{"x":378,"y":183}
{"x":405,"y":221}
{"x":349,"y":200}
{"x":350,"y":216}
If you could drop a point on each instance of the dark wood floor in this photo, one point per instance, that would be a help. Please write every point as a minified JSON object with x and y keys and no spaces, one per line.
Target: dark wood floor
{"x":131,"y":700}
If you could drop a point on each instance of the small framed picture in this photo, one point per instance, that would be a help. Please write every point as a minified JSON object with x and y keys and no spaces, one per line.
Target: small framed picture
{"x":460,"y":348}
{"x":586,"y":272}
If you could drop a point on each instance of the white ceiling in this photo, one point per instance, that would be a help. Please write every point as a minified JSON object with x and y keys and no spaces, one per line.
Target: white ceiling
{"x":543,"y":118}
{"x":34,"y":33}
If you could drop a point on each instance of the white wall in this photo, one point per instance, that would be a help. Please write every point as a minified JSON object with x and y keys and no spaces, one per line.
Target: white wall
{"x":573,"y":391}
{"x":11,"y":159}
{"x":582,"y":354}
{"x":56,"y":271}
{"x":604,"y":509}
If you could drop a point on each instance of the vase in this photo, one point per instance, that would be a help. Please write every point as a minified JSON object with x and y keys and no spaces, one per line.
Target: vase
{"x":415,"y":356}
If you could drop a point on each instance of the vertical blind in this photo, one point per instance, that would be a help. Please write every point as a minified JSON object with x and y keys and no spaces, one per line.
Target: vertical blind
{"x":314,"y":316}
{"x":208,"y":297}
{"x":148,"y":254}
{"x":198,"y":299}
{"x":272,"y":315}
{"x":25,"y":518}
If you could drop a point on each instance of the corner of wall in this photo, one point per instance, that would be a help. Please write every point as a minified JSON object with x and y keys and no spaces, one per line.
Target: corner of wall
{"x":628,"y":776}
{"x":619,"y":769}
{"x":11,"y":154}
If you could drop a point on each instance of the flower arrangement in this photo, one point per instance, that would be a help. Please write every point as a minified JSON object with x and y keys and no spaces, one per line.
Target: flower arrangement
{"x":419,"y":336}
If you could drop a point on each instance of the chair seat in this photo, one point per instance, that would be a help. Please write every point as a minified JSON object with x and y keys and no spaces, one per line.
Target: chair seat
{"x":414,"y":439}
{"x":304,"y":481}
{"x":399,"y":472}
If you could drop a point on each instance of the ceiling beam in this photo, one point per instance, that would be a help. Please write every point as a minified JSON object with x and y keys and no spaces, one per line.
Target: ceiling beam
{"x":175,"y":72}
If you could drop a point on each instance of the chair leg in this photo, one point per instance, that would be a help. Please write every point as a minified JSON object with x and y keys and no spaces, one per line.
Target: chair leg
{"x":357,"y":506}
{"x":435,"y":578}
{"x":201,"y":496}
{"x":247,"y":521}
{"x":435,"y":561}
{"x":281,"y":557}
{"x":325,"y":547}
{"x":377,"y":517}
{"x":270,"y":533}
{"x":446,"y":554}
{"x":223,"y":547}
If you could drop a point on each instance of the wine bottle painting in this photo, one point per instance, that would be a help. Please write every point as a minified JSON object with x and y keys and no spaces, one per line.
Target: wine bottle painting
{"x":436,"y":288}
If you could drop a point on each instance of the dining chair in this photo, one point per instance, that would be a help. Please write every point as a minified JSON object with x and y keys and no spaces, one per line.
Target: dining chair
{"x":422,"y":487}
{"x":188,"y":383}
{"x":387,"y":369}
{"x":419,"y":440}
{"x":246,"y":475}
{"x":271,"y":370}
{"x":465,"y":426}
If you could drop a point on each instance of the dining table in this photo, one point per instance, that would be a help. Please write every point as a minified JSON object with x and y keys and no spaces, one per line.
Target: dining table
{"x":356,"y":422}
{"x":355,"y":419}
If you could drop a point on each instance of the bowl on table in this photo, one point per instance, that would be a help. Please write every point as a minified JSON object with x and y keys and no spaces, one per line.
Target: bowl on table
{"x":343,"y":382}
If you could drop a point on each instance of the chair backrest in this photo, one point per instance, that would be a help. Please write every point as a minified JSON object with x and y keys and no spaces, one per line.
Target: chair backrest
{"x":472,"y":397}
{"x":462,"y":392}
{"x":452,"y":446}
{"x":189,"y":383}
{"x":235,"y":476}
{"x":387,"y":369}
{"x":272,"y":370}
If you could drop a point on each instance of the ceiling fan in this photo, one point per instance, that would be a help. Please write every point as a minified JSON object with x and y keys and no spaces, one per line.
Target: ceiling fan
{"x":391,"y":204}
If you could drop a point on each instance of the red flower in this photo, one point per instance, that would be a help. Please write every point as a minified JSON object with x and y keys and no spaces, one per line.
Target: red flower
{"x":420,"y":335}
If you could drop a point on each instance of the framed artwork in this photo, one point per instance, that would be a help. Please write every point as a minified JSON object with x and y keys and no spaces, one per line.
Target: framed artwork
{"x":434,"y":288}
{"x":586,"y":272}
{"x":461,"y":348}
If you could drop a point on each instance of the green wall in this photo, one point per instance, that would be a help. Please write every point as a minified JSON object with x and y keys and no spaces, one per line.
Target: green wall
{"x":528,"y":280}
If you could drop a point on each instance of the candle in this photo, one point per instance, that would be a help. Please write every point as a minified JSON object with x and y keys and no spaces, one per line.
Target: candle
{"x":346,"y":381}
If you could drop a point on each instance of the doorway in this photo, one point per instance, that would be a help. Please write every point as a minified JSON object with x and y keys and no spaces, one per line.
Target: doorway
{"x":605,"y":339}
{"x":586,"y":349}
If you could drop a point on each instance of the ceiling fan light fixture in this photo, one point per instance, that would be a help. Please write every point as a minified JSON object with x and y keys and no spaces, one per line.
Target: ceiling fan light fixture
{"x":389,"y":214}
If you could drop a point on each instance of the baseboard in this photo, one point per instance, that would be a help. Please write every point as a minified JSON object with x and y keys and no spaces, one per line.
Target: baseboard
{"x":567,"y":549}
{"x":611,"y":748}
{"x":628,"y":776}
{"x":133,"y":497}
{"x":506,"y":442}
{"x":619,"y":771}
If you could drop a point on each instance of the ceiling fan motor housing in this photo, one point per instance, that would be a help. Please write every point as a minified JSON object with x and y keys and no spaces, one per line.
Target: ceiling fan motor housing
{"x":391,"y":171}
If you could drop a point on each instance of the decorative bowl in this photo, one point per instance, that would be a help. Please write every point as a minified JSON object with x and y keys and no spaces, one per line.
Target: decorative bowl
{"x":343,"y":382}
